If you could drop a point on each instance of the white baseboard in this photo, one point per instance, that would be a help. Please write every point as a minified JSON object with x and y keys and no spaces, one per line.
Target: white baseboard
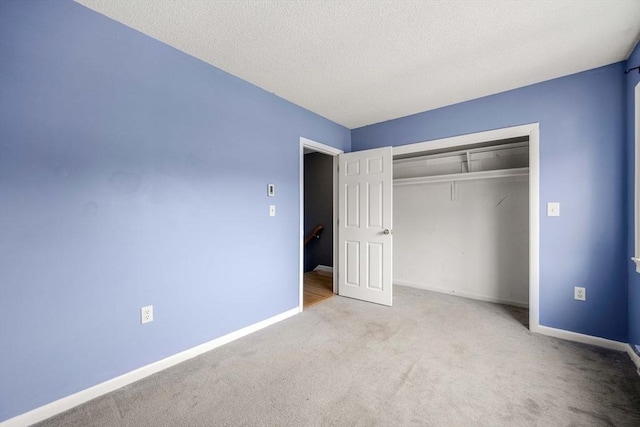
{"x":324,"y":268}
{"x":634,"y":357}
{"x":66,"y":403}
{"x":589,"y":339}
{"x":582,"y":338}
{"x":463,"y":294}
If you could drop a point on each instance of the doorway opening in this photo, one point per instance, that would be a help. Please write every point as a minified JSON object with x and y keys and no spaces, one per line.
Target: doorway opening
{"x":318,"y":227}
{"x":318,"y":218}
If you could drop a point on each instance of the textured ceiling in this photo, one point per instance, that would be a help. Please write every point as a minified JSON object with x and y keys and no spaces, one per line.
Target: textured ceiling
{"x":359,"y":62}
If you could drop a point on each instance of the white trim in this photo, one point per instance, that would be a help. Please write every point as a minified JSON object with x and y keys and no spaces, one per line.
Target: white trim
{"x":462,"y":294}
{"x":334,"y":152}
{"x":533,"y":132}
{"x":582,"y":338}
{"x":336,"y":249}
{"x":466,"y":176}
{"x":73,"y":400}
{"x":324,"y":268}
{"x":634,"y":357}
{"x":534,"y":228}
{"x":319,"y":147}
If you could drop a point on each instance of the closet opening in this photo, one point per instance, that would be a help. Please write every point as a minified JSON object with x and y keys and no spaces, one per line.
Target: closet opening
{"x":462,"y":222}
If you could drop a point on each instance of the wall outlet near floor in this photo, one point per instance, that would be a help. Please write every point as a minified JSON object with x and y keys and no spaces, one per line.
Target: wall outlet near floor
{"x":580,"y":293}
{"x":146,"y":314}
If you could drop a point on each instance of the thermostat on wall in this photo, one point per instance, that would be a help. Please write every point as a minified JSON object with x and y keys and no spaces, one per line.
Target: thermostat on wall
{"x":271,"y":190}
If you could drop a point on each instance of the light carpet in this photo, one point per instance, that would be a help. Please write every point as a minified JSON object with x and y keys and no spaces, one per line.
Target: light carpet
{"x":430,"y":360}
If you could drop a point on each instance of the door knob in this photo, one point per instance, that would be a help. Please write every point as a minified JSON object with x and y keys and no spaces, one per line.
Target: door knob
{"x":387,"y":231}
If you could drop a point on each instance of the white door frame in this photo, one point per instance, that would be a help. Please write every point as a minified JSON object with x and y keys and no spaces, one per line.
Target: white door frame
{"x":334,"y":152}
{"x":533,"y":132}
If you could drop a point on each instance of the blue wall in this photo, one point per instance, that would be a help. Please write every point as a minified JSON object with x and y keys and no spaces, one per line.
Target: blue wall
{"x":582,"y":162}
{"x":133,"y":174}
{"x":633,"y":79}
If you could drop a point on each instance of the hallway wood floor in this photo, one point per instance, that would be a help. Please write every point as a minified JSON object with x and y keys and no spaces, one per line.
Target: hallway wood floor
{"x":318,"y":286}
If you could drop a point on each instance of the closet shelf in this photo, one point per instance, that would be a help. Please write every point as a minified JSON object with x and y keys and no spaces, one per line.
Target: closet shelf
{"x":464,"y":176}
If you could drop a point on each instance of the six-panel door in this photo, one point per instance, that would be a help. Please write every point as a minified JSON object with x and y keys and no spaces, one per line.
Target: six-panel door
{"x":365,"y":180}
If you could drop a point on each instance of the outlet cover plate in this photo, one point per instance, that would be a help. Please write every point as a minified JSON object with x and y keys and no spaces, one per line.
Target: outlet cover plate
{"x":580,"y":293}
{"x":146,"y":314}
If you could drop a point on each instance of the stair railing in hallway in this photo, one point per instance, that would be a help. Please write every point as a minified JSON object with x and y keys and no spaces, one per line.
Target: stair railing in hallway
{"x":315,"y":233}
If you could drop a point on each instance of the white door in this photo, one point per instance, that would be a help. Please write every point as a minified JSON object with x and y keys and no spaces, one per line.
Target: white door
{"x":365,"y":180}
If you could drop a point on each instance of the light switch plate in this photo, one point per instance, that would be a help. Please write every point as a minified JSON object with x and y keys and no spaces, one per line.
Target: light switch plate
{"x":271,"y":190}
{"x":553,"y":209}
{"x":272,"y":210}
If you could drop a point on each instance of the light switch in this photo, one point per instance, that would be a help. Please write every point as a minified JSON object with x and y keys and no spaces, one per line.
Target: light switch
{"x":553,"y":209}
{"x":271,"y":190}
{"x":272,"y":210}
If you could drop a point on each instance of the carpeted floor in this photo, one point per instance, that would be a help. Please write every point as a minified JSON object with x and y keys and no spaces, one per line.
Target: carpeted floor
{"x":431,"y":360}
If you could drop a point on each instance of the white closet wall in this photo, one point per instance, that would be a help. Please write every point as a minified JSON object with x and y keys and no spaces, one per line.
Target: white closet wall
{"x":465,"y":234}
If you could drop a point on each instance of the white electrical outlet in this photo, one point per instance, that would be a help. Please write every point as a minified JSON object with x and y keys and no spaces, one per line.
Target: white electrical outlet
{"x":580,"y":293}
{"x":146,"y":314}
